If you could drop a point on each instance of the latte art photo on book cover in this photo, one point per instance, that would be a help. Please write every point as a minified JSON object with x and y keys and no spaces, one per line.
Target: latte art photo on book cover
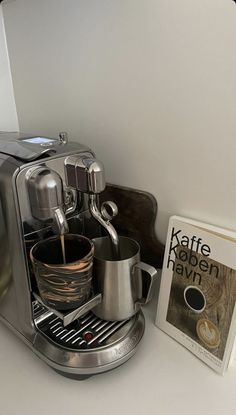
{"x":201,"y":303}
{"x":197,"y":296}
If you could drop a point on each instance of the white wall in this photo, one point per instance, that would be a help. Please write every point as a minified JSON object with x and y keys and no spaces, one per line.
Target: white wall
{"x":8,"y":116}
{"x":150,"y":85}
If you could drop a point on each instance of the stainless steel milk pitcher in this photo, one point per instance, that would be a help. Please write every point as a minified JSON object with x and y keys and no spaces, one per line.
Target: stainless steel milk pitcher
{"x":121,"y":282}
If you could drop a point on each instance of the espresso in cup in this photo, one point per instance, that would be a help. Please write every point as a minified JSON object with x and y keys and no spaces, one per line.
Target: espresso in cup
{"x":194,"y":299}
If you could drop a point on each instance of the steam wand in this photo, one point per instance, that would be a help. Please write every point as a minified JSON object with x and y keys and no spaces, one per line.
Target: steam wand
{"x":86,"y":174}
{"x":104,"y":218}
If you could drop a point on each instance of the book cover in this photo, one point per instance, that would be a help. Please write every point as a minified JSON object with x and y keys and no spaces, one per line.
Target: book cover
{"x":197,"y":295}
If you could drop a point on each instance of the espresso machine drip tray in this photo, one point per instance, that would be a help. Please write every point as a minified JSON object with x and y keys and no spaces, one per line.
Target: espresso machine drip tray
{"x":88,"y":345}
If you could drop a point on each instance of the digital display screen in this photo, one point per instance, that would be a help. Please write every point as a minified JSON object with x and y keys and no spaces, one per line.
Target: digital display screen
{"x":39,"y":140}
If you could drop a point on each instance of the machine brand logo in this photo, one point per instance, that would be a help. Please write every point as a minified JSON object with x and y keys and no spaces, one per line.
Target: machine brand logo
{"x":128,"y":345}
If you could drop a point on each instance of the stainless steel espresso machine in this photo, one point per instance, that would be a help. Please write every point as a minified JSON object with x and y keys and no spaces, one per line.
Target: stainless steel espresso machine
{"x":48,"y":186}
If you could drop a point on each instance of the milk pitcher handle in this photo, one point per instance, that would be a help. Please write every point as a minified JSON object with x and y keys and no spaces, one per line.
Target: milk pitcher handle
{"x":151,"y":273}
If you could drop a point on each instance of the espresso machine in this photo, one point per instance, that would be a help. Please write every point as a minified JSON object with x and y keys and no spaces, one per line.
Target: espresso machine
{"x":50,"y":186}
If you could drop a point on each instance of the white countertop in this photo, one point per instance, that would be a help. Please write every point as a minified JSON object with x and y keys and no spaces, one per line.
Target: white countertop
{"x":161,"y":378}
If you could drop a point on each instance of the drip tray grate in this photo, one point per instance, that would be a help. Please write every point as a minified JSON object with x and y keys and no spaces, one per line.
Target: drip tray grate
{"x":87,"y":332}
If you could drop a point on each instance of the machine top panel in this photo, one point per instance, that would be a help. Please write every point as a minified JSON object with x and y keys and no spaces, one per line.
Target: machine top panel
{"x":28,"y":147}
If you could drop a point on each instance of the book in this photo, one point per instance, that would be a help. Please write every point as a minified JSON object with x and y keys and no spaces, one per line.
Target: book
{"x":196,"y":304}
